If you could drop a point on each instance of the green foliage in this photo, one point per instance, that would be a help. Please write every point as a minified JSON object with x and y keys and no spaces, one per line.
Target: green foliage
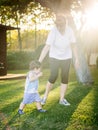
{"x":17,"y":12}
{"x":21,"y":59}
{"x":97,"y":62}
{"x":30,"y":41}
{"x":86,"y":113}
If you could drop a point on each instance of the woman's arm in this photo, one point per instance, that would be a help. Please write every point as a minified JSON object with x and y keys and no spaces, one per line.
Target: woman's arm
{"x":44,"y":52}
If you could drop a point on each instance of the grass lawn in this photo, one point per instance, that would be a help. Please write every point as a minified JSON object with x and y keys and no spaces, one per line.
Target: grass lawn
{"x":82,"y":114}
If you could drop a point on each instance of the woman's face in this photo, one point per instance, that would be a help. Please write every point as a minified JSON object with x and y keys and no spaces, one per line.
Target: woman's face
{"x":60,"y":20}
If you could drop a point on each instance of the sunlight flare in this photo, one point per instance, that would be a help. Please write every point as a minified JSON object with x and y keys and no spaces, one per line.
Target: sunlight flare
{"x":92,"y":16}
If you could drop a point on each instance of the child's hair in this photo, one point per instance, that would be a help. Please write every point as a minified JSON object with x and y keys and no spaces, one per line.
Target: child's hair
{"x":34,"y":64}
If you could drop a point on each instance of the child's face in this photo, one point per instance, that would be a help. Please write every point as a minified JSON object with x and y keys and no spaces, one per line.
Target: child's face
{"x":37,"y":69}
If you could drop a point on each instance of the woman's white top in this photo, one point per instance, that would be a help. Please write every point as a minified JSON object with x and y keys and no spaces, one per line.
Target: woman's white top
{"x":60,"y":45}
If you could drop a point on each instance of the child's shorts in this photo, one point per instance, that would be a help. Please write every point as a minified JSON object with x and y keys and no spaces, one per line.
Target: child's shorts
{"x":31,"y":97}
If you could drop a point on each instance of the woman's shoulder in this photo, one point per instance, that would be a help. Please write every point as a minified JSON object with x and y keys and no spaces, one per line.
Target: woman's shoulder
{"x":69,"y":29}
{"x":52,"y":30}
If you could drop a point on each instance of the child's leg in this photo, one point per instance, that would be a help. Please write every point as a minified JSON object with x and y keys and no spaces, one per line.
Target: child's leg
{"x":21,"y":107}
{"x":39,"y":107}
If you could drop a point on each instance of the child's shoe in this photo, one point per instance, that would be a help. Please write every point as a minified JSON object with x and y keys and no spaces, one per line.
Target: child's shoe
{"x":20,"y":112}
{"x":41,"y":110}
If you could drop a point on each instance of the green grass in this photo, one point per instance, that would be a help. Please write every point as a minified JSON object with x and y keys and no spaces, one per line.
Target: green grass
{"x":81,"y":115}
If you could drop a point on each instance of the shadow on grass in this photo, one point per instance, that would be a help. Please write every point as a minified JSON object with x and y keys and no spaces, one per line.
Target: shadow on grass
{"x":95,"y":109}
{"x":9,"y":113}
{"x":9,"y":87}
{"x":57,"y":116}
{"x":85,"y":116}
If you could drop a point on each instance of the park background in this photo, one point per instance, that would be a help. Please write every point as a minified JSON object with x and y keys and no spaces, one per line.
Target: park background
{"x":34,"y":20}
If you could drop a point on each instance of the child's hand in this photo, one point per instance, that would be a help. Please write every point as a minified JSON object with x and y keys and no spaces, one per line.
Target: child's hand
{"x":40,"y":74}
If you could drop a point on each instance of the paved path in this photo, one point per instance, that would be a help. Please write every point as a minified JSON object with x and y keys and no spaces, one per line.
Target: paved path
{"x":12,"y":76}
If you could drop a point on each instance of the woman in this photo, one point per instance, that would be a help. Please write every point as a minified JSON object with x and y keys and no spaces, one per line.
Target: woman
{"x":60,"y":43}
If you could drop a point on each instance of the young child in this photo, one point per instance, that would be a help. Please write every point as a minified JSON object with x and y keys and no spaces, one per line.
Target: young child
{"x":31,"y":88}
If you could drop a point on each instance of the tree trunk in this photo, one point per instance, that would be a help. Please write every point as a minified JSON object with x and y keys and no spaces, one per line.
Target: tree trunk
{"x":3,"y":62}
{"x":19,"y":40}
{"x":83,"y":72}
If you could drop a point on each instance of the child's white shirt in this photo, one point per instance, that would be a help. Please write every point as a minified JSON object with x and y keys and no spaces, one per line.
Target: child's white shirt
{"x":31,"y":86}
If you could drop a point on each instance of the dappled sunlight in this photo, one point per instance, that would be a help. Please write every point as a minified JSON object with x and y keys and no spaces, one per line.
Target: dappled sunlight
{"x":84,"y":113}
{"x":10,"y":89}
{"x":53,"y":96}
{"x":57,"y":116}
{"x":9,"y":100}
{"x":10,"y":95}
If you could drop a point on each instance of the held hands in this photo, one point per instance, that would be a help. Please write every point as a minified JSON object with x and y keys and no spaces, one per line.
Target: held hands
{"x":40,"y":74}
{"x":39,"y":63}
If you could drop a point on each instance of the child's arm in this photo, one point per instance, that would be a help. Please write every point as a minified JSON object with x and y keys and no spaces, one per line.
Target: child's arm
{"x":34,"y":76}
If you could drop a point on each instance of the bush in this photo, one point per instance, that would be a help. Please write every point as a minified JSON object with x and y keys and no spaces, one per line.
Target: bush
{"x":45,"y":63}
{"x":97,"y":62}
{"x":21,"y":59}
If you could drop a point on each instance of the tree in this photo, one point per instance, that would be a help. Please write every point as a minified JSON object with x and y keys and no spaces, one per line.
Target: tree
{"x":20,"y":8}
{"x":16,"y":13}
